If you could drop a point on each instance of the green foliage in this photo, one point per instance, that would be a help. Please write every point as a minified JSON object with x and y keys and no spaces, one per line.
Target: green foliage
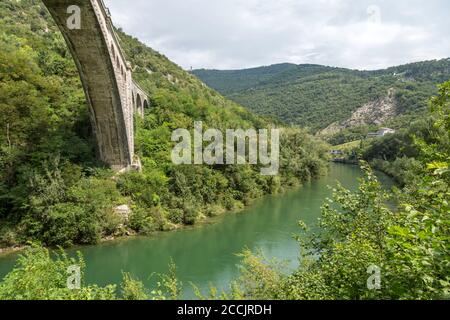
{"x":302,"y":158}
{"x":408,"y":243}
{"x":403,"y":170}
{"x":410,"y":247}
{"x":188,"y":193}
{"x":65,"y":207}
{"x":51,"y":187}
{"x":395,"y":154}
{"x":168,"y":287}
{"x":260,"y":278}
{"x":350,"y":134}
{"x":45,"y":143}
{"x":360,"y":229}
{"x":53,"y":190}
{"x":316,"y":96}
{"x":43,"y":275}
{"x":133,"y":289}
{"x":398,"y":154}
{"x":39,"y":277}
{"x":143,"y":222}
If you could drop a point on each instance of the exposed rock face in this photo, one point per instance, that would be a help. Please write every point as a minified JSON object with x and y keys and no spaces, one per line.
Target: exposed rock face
{"x":124,"y":211}
{"x":374,"y":112}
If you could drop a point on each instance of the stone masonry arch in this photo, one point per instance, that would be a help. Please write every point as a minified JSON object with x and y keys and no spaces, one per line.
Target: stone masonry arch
{"x":106,"y":77}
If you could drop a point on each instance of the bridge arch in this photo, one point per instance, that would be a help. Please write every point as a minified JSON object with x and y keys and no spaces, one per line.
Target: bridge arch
{"x":105,"y":75}
{"x":138,"y":102}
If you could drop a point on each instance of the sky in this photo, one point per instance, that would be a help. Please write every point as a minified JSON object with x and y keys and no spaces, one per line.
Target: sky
{"x":237,"y":34}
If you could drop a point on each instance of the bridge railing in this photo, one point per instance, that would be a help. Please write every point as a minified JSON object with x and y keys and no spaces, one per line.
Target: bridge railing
{"x":107,"y":16}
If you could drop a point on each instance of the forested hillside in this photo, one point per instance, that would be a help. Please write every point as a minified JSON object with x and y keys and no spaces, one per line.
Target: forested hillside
{"x":407,"y":244}
{"x":54,"y":191}
{"x":317,"y":96}
{"x":52,"y":188}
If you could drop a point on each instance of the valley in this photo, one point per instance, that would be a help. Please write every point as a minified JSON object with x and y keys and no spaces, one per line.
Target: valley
{"x":327,"y":99}
{"x":123,"y":176}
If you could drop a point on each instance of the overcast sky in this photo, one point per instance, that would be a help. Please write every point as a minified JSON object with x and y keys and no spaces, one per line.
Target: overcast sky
{"x":235,"y":34}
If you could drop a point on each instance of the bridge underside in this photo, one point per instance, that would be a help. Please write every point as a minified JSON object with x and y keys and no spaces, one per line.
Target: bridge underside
{"x":90,"y":52}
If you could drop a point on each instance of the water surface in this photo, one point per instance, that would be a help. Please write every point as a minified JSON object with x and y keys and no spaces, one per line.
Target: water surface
{"x":207,"y":253}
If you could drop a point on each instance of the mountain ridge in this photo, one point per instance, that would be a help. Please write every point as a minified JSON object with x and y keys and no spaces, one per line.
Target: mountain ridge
{"x":317,"y":96}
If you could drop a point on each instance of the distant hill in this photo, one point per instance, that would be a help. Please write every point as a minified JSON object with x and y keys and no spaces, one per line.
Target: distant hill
{"x":231,"y":81}
{"x":327,"y":98}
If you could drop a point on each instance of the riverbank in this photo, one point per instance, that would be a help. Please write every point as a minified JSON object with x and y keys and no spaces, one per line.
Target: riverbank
{"x":10,"y":250}
{"x":206,"y":253}
{"x":202,"y":221}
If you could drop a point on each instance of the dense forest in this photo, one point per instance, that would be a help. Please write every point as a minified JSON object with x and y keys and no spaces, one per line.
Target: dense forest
{"x":317,"y":96}
{"x":52,"y":187}
{"x":54,"y":191}
{"x":409,"y":245}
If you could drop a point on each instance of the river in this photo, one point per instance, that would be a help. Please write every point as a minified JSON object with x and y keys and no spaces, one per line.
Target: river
{"x":207,"y":253}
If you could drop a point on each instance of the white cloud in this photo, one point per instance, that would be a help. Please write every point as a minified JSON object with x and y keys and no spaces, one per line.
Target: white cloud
{"x":246,"y":33}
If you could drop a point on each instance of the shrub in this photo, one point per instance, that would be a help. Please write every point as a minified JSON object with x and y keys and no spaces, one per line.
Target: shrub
{"x":133,"y":289}
{"x":141,"y":221}
{"x":112,"y":222}
{"x":176,"y":216}
{"x":8,"y":237}
{"x":191,"y":213}
{"x":65,"y":224}
{"x":214,"y":210}
{"x":48,"y":279}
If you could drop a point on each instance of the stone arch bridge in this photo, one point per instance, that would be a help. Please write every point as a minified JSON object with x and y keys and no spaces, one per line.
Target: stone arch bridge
{"x":112,"y":95}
